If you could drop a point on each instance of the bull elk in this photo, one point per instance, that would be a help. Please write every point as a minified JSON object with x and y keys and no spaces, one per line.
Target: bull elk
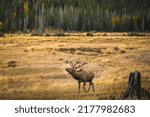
{"x":81,"y":75}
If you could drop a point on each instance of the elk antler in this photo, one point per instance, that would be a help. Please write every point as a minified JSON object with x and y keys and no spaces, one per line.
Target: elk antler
{"x":74,"y":66}
{"x":80,"y":65}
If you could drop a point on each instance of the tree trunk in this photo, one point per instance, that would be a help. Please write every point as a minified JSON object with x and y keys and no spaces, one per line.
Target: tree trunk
{"x":41,"y":19}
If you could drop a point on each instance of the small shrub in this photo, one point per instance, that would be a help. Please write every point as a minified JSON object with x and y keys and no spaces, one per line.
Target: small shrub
{"x":32,"y":49}
{"x":47,"y":34}
{"x":109,"y":52}
{"x":124,"y":34}
{"x":36,"y":33}
{"x":122,"y":51}
{"x":136,"y":34}
{"x":104,"y":34}
{"x":67,"y":62}
{"x":89,"y":34}
{"x":54,"y":53}
{"x":12,"y":64}
{"x":116,"y":48}
{"x":60,"y":59}
{"x":25,"y":50}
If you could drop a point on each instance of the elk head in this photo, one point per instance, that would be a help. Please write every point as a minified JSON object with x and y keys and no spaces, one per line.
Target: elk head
{"x":75,"y":66}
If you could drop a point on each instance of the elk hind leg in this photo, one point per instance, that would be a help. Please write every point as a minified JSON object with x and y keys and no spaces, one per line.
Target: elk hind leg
{"x":93,"y":86}
{"x":84,"y":87}
{"x":90,"y":83}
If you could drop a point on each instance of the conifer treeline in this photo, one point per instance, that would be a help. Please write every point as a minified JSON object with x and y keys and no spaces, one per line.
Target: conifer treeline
{"x":75,"y":15}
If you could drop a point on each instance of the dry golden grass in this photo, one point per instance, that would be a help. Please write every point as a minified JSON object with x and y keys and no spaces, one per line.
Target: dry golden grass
{"x":40,"y":62}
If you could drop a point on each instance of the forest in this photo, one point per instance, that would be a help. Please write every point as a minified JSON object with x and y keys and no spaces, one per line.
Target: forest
{"x":74,"y":15}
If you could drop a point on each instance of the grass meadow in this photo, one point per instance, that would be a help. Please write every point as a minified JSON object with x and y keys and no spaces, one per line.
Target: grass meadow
{"x":33,"y":67}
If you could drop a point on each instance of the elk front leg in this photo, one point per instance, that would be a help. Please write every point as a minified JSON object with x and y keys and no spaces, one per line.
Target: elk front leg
{"x":79,"y":87}
{"x":84,"y":86}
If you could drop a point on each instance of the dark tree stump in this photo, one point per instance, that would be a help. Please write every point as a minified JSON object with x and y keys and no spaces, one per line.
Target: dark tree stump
{"x":134,"y":86}
{"x":134,"y":90}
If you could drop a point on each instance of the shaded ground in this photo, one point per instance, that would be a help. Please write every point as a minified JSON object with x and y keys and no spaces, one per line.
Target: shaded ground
{"x":34,"y":67}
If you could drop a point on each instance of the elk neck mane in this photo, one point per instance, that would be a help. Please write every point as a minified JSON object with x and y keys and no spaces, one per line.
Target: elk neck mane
{"x":76,"y":75}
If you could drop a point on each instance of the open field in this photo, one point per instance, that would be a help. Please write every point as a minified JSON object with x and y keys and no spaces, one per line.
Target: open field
{"x":33,"y":67}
